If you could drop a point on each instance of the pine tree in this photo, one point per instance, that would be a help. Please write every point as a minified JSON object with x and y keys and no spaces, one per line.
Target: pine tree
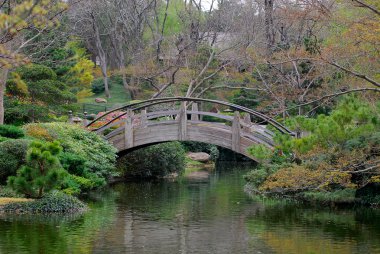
{"x":42,"y":172}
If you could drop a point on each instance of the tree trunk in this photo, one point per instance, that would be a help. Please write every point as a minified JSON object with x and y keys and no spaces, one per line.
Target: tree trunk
{"x":269,"y":26}
{"x":103,"y":66}
{"x":101,"y":55}
{"x":3,"y":80}
{"x":127,"y":86}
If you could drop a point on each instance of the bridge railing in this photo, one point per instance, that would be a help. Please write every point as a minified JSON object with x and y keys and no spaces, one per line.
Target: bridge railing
{"x":102,"y":123}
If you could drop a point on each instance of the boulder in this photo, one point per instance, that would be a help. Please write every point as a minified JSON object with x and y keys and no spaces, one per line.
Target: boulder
{"x":76,"y":119}
{"x":201,"y":157}
{"x":100,"y":100}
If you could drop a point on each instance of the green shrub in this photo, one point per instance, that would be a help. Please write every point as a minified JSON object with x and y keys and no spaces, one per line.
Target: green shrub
{"x":6,"y":192}
{"x":55,"y":202}
{"x":153,"y":161}
{"x":51,"y":92}
{"x":2,"y":139}
{"x":257,"y":176}
{"x":260,"y":152}
{"x":98,"y":86}
{"x":10,"y":131}
{"x":98,"y":154}
{"x":42,"y":172}
{"x":76,"y":184}
{"x":34,"y":72}
{"x":12,"y":156}
{"x":73,"y":163}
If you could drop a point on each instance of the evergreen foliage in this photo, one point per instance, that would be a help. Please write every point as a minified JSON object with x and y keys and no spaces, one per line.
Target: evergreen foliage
{"x":86,"y":154}
{"x":337,"y":151}
{"x":12,"y":156}
{"x":153,"y":161}
{"x":42,"y":171}
{"x":10,"y":131}
{"x":55,"y":202}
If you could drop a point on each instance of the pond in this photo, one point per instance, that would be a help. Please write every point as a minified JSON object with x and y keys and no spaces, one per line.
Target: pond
{"x":202,"y":215}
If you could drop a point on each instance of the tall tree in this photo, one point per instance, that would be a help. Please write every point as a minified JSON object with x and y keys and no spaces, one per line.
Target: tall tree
{"x":17,"y":18}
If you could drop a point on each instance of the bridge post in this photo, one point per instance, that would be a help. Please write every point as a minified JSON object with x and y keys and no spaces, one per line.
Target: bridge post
{"x":247,"y":122}
{"x":128,"y":131}
{"x":182,"y":124}
{"x":236,"y":132}
{"x":143,"y":119}
{"x":194,"y":108}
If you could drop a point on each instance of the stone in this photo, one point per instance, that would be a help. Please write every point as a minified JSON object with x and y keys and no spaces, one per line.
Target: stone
{"x":100,"y":100}
{"x":201,"y":157}
{"x":76,"y":119}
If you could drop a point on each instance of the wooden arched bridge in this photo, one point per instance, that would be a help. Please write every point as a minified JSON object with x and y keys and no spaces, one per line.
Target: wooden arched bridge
{"x":180,"y":118}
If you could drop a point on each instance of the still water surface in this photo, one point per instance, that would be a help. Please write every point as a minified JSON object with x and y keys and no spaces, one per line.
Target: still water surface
{"x":211,"y":215}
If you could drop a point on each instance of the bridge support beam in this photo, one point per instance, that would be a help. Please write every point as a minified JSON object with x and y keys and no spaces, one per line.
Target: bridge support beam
{"x":182,"y":125}
{"x":128,"y":132}
{"x":236,"y":133}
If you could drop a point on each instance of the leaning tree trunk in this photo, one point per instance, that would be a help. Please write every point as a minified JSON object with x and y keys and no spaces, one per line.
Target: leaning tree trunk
{"x":3,"y":80}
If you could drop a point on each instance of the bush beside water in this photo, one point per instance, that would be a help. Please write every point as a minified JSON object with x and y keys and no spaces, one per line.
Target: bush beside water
{"x":12,"y":156}
{"x":55,"y":202}
{"x":85,"y":153}
{"x":334,"y":163}
{"x":84,"y":162}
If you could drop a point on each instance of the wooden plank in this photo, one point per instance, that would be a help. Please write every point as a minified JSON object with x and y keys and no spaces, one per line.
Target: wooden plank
{"x":236,"y":132}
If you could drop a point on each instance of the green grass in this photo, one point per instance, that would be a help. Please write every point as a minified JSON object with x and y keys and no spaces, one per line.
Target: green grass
{"x":6,"y":201}
{"x":339,"y":196}
{"x":119,"y":97}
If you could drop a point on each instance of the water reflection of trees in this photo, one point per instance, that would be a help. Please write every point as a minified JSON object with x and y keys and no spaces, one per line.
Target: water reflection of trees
{"x":70,"y":233}
{"x":290,"y":228}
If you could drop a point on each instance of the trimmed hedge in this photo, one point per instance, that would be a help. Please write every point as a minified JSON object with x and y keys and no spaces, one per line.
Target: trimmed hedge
{"x":10,"y":131}
{"x":12,"y":156}
{"x":55,"y":202}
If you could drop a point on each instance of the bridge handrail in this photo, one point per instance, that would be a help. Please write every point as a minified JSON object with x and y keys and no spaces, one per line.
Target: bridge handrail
{"x":152,"y":102}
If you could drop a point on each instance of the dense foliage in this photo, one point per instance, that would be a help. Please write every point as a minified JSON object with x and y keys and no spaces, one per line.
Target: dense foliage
{"x":35,"y":92}
{"x":85,"y":153}
{"x":55,"y":202}
{"x":42,"y":171}
{"x":153,"y":161}
{"x":10,"y":131}
{"x":12,"y":156}
{"x":337,"y":151}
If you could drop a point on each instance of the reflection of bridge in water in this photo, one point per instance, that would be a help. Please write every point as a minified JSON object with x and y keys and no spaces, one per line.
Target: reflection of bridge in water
{"x":179,"y":118}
